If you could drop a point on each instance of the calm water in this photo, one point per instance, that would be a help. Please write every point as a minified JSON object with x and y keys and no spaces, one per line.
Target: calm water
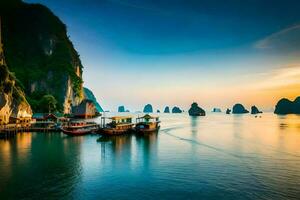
{"x":213,"y":157}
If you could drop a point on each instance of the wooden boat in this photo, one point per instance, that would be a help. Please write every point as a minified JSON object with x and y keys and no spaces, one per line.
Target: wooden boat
{"x":147,"y":124}
{"x":76,"y":128}
{"x":118,"y":125}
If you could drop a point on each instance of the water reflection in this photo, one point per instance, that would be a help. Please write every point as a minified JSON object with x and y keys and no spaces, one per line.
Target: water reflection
{"x":119,"y":147}
{"x":50,"y":162}
{"x":194,"y":126}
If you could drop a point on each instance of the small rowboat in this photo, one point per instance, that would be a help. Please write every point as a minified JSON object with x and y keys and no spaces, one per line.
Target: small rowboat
{"x":79,"y":128}
{"x":147,"y":124}
{"x":119,"y":125}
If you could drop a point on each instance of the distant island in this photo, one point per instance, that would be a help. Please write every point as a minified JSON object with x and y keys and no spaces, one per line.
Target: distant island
{"x":254,"y":110}
{"x":239,"y":109}
{"x":216,"y":110}
{"x":121,"y":109}
{"x":167,"y":109}
{"x":148,"y":108}
{"x":285,"y":106}
{"x":195,"y":110}
{"x":176,"y":109}
{"x":228,"y":111}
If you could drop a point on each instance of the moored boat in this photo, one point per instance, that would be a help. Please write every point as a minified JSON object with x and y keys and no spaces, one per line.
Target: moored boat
{"x":119,"y":125}
{"x":76,"y":128}
{"x":147,"y":124}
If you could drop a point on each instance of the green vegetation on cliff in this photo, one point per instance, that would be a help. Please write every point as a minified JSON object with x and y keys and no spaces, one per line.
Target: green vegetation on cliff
{"x":9,"y":86}
{"x":39,"y":52}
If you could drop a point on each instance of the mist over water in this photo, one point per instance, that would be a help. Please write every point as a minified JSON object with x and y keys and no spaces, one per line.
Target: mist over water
{"x":214,"y":157}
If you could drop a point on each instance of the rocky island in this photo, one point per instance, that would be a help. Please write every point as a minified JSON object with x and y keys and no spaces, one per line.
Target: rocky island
{"x":254,"y":110}
{"x":121,"y":109}
{"x":239,"y":109}
{"x":176,"y":109}
{"x":195,"y":110}
{"x":148,"y":108}
{"x":167,"y":109}
{"x":216,"y":110}
{"x":285,"y":106}
{"x":228,"y":111}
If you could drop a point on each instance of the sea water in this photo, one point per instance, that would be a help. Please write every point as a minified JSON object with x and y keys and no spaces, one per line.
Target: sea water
{"x":218,"y":156}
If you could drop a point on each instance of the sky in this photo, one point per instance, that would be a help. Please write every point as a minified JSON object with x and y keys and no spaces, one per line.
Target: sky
{"x":175,"y":52}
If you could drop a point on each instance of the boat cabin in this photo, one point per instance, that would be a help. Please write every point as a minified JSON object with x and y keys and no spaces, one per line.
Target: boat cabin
{"x":43,"y":117}
{"x":117,"y":125}
{"x":147,"y":123}
{"x":121,"y":119}
{"x":147,"y":119}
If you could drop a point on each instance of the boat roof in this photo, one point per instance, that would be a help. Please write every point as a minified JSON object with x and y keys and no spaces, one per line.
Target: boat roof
{"x":120,"y":117}
{"x":147,"y":116}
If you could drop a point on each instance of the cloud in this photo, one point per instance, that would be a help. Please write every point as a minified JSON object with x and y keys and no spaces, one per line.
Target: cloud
{"x":284,"y":40}
{"x":287,"y":76}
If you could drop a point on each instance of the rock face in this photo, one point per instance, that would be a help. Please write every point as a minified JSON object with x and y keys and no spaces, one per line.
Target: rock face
{"x":12,"y":99}
{"x":254,"y":110}
{"x":239,"y":109}
{"x":88,"y":94}
{"x":228,"y":111}
{"x":167,"y":109}
{"x":176,"y":109}
{"x":121,"y":109}
{"x":195,"y":110}
{"x":216,"y":110}
{"x":148,"y":108}
{"x":285,"y":106}
{"x":42,"y":57}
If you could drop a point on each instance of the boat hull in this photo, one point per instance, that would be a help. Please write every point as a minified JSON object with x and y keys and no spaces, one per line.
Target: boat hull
{"x":76,"y":133}
{"x":112,"y":131}
{"x":146,"y":130}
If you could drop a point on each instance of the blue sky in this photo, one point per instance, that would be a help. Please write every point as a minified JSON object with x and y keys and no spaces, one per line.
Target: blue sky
{"x":174,"y":52}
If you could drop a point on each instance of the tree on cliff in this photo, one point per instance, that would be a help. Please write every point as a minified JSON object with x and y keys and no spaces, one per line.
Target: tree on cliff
{"x":48,"y":103}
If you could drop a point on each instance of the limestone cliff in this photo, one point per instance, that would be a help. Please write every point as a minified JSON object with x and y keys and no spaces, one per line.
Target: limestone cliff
{"x":12,"y":100}
{"x":88,"y":94}
{"x":39,"y":52}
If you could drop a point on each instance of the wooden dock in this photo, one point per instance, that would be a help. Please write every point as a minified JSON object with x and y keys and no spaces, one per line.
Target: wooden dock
{"x":10,"y":130}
